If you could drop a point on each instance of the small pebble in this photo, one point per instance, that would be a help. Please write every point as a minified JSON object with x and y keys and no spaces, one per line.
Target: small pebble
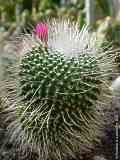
{"x":99,"y":158}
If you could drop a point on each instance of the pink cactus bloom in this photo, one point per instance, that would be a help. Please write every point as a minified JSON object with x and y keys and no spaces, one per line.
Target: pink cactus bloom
{"x":41,"y":31}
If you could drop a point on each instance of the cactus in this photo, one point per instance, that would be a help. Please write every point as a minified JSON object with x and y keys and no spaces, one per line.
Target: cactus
{"x":61,"y":77}
{"x":109,"y":32}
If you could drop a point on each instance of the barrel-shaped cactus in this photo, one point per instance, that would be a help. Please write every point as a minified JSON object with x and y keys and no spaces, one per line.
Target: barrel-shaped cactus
{"x":61,"y":76}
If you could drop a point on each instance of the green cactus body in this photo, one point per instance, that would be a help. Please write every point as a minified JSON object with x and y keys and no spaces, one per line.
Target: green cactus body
{"x":57,"y":92}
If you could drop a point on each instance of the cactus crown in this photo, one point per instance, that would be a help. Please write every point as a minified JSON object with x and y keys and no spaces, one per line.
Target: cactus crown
{"x":58,"y":87}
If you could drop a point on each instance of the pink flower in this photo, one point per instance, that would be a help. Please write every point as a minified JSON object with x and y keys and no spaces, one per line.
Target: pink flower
{"x":41,"y":30}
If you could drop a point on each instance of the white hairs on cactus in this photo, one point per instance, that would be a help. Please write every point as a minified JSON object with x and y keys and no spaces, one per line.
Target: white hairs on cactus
{"x":60,"y":78}
{"x":66,"y":38}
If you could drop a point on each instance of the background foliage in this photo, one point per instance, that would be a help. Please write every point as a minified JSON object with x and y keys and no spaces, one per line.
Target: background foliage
{"x":18,"y":15}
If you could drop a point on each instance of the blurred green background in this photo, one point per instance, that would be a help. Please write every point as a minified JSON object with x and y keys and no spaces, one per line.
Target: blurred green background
{"x":102,"y":15}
